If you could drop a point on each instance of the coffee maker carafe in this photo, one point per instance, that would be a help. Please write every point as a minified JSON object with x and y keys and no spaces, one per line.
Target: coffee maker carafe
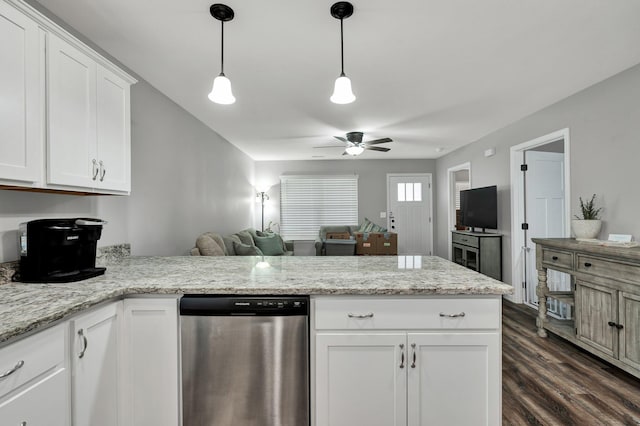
{"x":59,"y":250}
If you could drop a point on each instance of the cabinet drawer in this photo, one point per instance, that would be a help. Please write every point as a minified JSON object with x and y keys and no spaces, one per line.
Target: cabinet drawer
{"x":555,"y":258}
{"x":386,"y":314}
{"x":608,"y":268}
{"x":44,"y":403}
{"x":467,"y":240}
{"x":31,"y":357}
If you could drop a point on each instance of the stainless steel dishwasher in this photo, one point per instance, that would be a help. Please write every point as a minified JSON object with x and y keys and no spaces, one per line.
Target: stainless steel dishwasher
{"x":245,"y":360}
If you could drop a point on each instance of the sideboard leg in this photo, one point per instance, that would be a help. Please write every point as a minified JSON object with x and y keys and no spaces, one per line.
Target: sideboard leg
{"x":541,"y":291}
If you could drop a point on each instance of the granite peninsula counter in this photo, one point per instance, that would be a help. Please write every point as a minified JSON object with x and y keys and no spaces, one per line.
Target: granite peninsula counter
{"x":27,"y":307}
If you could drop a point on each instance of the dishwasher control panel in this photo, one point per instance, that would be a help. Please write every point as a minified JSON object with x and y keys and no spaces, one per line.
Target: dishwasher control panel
{"x":243,"y":305}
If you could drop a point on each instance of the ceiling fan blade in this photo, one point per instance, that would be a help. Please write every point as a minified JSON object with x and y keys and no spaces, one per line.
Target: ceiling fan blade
{"x":377,"y":148}
{"x":377,"y":141}
{"x":340,"y":138}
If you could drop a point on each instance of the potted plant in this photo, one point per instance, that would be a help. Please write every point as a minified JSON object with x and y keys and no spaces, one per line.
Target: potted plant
{"x":587,"y":227}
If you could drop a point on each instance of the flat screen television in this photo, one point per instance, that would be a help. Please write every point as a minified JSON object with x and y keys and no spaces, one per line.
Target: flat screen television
{"x":480,"y":207}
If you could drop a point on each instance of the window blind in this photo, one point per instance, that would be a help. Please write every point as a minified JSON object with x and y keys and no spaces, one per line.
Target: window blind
{"x":308,"y":202}
{"x":460,"y":186}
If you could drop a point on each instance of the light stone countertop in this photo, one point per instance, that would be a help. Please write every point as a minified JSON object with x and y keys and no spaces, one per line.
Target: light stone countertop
{"x":26,"y":307}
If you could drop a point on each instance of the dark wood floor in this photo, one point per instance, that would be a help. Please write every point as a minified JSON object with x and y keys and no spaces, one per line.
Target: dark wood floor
{"x":552,"y":382}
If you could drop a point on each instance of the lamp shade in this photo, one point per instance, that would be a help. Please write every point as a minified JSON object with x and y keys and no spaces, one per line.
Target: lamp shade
{"x":221,"y":91}
{"x":354,"y":150}
{"x":342,"y":93}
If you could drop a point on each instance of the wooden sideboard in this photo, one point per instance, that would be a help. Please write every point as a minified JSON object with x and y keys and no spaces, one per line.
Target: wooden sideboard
{"x":605,"y":292}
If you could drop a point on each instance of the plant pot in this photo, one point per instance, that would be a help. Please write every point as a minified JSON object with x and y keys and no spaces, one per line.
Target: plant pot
{"x":586,"y":229}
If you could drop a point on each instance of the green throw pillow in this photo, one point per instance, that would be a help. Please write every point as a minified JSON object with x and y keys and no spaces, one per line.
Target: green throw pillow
{"x":270,"y":245}
{"x":368,"y":226}
{"x":246,"y":250}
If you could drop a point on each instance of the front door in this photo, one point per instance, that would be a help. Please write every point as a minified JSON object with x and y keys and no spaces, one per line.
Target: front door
{"x":409,"y":212}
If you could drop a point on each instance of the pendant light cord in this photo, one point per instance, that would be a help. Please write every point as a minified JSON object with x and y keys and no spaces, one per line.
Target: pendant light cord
{"x":222,"y":49}
{"x":341,"y":48}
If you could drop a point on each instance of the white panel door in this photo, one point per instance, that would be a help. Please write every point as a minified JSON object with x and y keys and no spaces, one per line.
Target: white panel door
{"x":454,"y":379}
{"x":545,"y":213}
{"x":361,"y":379}
{"x":150,"y":346}
{"x":21,"y":140}
{"x":409,"y":213}
{"x":113,"y":131}
{"x":71,"y":113}
{"x":95,"y":363}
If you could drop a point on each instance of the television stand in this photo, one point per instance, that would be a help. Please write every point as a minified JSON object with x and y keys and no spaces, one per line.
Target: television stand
{"x":479,"y":251}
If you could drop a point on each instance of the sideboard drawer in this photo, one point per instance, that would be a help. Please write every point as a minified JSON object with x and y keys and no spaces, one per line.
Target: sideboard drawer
{"x":608,"y":268}
{"x":403,"y":313}
{"x":467,"y":240}
{"x":556,"y":258}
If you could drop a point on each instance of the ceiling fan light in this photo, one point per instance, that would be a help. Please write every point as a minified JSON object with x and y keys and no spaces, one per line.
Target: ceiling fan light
{"x":354,"y":150}
{"x":342,"y":93}
{"x":221,"y":91}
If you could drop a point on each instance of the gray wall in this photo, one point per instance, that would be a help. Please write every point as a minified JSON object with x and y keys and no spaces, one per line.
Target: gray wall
{"x":604,"y":151}
{"x":186,"y":180}
{"x":372,"y":181}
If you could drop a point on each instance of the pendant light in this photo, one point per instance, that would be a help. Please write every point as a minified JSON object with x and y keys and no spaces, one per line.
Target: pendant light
{"x":342,"y":93}
{"x":354,"y":150}
{"x":221,"y":91}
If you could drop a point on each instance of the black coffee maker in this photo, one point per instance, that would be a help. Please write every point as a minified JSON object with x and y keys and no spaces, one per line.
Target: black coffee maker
{"x":59,"y":250}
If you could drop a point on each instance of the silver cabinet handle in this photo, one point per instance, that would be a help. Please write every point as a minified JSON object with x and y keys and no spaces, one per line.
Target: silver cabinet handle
{"x":401,"y":355}
{"x":413,"y":362}
{"x":94,"y":165}
{"x":15,"y":368}
{"x":103,"y":171}
{"x":84,"y":342}
{"x":369,"y":315}
{"x":460,"y":315}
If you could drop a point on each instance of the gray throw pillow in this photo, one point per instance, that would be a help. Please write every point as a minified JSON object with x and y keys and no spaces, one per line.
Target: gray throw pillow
{"x":270,"y":245}
{"x":245,"y":238}
{"x":228,"y":243}
{"x":208,"y":245}
{"x":246,"y":250}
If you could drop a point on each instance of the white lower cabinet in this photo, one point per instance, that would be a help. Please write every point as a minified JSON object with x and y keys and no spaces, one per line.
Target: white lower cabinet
{"x":437,"y":361}
{"x":34,"y":380}
{"x":150,"y":380}
{"x":95,"y":359}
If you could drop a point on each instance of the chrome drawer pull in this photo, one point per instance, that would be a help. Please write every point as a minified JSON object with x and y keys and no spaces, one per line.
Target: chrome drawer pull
{"x":402,"y":356}
{"x":554,"y":258}
{"x":95,"y":169}
{"x":85,"y":343}
{"x":103,"y":171}
{"x":360,"y":316}
{"x":17,"y":367}
{"x":460,"y":315}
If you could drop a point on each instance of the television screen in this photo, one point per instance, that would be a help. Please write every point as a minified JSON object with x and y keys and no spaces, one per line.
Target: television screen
{"x":480,"y":207}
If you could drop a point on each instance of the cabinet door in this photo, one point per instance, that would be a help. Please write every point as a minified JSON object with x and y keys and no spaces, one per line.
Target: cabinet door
{"x":454,"y":379}
{"x":151,"y":362}
{"x":114,"y":134}
{"x":630,"y":333}
{"x":596,"y":307}
{"x":44,"y":403}
{"x":71,"y":112}
{"x":95,"y":360}
{"x":21,"y":117}
{"x":361,"y":379}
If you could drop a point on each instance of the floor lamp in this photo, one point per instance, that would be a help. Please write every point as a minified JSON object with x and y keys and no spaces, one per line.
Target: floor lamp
{"x":262,"y":197}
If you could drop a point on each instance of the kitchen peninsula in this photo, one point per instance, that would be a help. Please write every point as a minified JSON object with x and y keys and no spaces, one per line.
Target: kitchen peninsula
{"x":428,"y":328}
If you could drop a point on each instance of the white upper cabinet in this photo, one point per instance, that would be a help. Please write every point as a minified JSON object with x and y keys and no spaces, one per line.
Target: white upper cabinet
{"x":89,"y":122}
{"x":21,"y":99}
{"x":87,"y":131}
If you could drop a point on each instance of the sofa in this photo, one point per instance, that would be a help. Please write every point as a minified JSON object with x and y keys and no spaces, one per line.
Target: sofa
{"x":247,"y":242}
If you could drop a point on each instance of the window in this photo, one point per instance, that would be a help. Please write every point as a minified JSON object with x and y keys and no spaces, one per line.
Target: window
{"x":308,"y":202}
{"x":410,"y":191}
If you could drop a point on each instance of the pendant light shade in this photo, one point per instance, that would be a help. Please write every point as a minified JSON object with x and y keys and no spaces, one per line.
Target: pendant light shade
{"x":221,"y":90}
{"x":354,"y":150}
{"x":342,"y":93}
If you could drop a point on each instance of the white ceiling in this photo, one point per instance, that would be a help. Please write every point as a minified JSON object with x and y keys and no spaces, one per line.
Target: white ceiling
{"x":427,"y":73}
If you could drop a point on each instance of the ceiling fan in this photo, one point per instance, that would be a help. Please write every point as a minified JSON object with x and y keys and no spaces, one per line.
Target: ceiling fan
{"x":355,"y":146}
